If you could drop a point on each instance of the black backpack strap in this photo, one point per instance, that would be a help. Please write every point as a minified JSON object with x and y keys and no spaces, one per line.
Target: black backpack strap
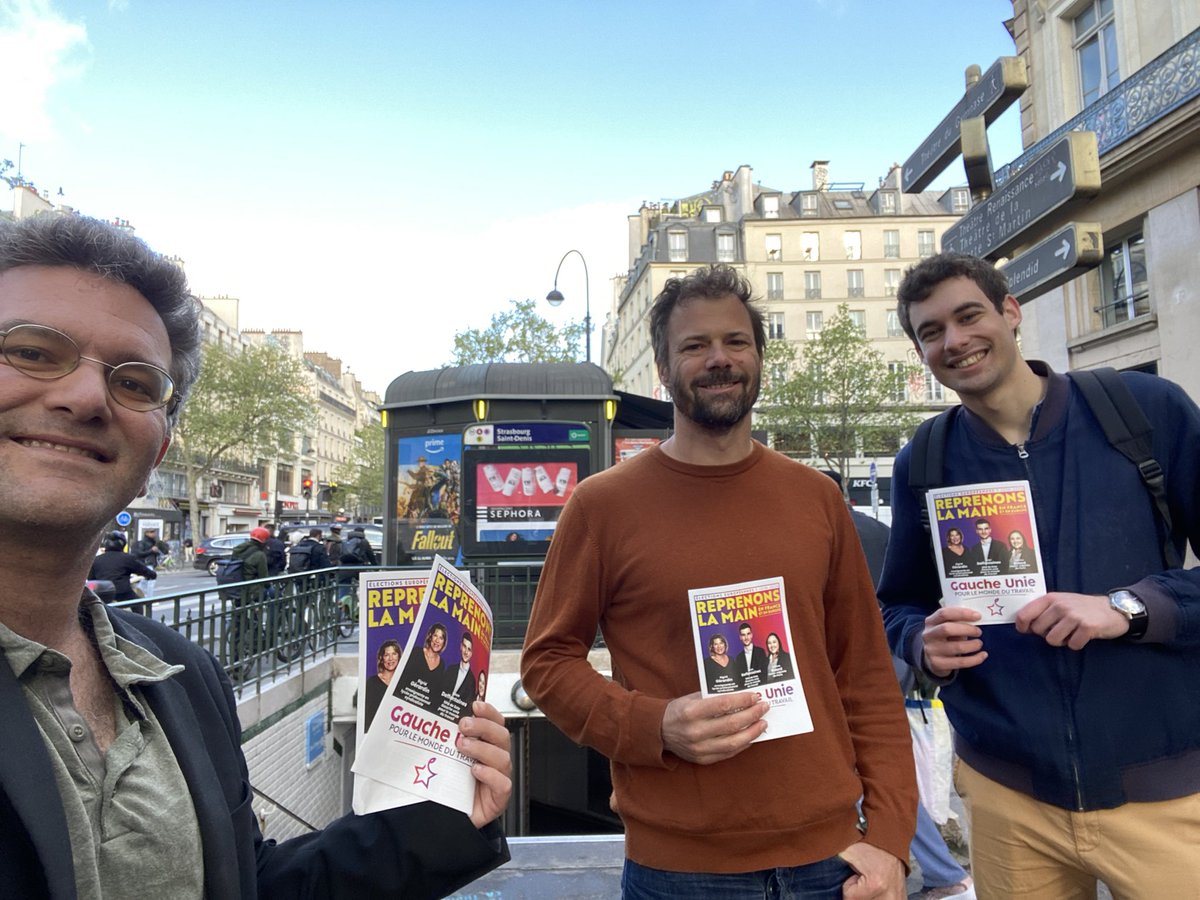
{"x":926,"y":458}
{"x":1129,"y":431}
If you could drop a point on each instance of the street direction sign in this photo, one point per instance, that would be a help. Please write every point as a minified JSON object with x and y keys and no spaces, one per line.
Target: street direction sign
{"x":1066,"y":254}
{"x":1068,"y":171}
{"x":991,"y":95}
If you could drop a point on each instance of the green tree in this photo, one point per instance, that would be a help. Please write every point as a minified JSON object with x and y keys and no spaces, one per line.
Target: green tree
{"x":244,"y":406}
{"x":360,"y":479}
{"x":518,"y":335}
{"x":839,"y":401}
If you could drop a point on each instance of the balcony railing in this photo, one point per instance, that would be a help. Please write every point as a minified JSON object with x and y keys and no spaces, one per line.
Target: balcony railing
{"x":1159,"y":87}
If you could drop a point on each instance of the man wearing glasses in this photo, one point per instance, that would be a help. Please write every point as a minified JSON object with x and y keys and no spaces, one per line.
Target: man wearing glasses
{"x":121,"y":768}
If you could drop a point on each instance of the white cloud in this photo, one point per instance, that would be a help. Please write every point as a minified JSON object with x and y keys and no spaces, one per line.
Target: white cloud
{"x":38,"y":49}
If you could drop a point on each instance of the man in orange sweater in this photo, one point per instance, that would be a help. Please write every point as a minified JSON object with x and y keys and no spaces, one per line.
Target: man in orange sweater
{"x":707,"y":810}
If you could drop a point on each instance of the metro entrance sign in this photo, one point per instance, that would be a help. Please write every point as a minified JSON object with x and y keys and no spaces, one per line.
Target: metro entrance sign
{"x":1066,"y":254}
{"x":988,"y":97}
{"x":1068,"y":170}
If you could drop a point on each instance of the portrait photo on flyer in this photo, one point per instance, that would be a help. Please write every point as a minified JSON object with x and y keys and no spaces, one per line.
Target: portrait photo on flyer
{"x":986,"y":541}
{"x":388,"y":603}
{"x":743,"y":641}
{"x":410,"y":743}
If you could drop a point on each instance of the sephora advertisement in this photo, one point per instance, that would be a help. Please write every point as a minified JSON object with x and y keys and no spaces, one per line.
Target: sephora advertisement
{"x":428,"y":492}
{"x":517,"y":477}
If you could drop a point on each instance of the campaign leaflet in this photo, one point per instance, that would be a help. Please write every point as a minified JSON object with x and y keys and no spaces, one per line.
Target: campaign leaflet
{"x":743,"y":642}
{"x":984,"y":541}
{"x":387,"y":608}
{"x":410,"y":742}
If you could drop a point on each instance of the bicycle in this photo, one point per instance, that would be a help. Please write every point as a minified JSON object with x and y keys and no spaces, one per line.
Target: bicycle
{"x":268,"y":621}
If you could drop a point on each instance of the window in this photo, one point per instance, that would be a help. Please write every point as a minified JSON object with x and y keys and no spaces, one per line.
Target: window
{"x":725,"y":247}
{"x":897,"y":371}
{"x":810,"y":246}
{"x":812,"y":324}
{"x":777,"y":375}
{"x":854,"y":283}
{"x":285,"y":479}
{"x":858,"y":318}
{"x":924,"y":244}
{"x":1123,"y":282}
{"x":893,"y":324}
{"x":808,"y":204}
{"x":775,"y":329}
{"x":677,"y":249}
{"x":853,"y":243}
{"x":712,"y":214}
{"x":812,"y":285}
{"x":771,"y":207}
{"x":891,"y":243}
{"x":891,"y":282}
{"x":1096,"y":50}
{"x":774,"y":285}
{"x":934,"y":392}
{"x":887,"y":202}
{"x":960,"y":200}
{"x":774,"y":245}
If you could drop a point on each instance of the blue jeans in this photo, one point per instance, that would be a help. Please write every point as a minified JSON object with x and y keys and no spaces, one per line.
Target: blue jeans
{"x":938,"y":867}
{"x":817,"y":881}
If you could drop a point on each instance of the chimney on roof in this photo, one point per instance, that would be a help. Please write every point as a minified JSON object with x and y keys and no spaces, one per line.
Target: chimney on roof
{"x":820,"y":174}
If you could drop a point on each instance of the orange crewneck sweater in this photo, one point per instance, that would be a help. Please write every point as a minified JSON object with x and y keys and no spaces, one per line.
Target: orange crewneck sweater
{"x":630,"y":543}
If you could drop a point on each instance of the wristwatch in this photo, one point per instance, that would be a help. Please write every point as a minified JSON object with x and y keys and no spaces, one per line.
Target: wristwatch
{"x":1133,"y":609}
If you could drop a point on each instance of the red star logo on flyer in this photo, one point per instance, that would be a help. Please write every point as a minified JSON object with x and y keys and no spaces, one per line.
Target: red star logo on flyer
{"x":995,"y":608}
{"x":429,"y":775}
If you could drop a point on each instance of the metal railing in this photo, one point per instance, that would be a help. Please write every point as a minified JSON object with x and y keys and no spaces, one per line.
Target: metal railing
{"x":274,"y":627}
{"x":264,"y":629}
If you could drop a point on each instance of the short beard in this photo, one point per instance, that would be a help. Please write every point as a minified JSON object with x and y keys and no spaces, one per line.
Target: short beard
{"x":722,"y":415}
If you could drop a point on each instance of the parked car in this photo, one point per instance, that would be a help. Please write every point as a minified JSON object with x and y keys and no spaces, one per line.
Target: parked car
{"x":209,"y":550}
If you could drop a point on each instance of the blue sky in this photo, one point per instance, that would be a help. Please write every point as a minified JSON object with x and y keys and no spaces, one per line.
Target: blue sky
{"x":384,"y":174}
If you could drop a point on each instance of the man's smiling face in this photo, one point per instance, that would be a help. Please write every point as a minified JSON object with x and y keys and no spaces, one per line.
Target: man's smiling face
{"x":969,"y":345}
{"x":71,"y":456}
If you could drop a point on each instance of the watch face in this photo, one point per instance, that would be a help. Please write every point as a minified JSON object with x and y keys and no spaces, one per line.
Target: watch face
{"x":1125,"y":602}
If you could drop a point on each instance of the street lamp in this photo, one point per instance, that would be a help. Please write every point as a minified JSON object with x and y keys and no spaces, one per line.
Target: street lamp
{"x":555,"y":297}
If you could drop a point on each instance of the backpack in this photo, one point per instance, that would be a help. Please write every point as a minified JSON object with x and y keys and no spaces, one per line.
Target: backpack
{"x":352,"y":553}
{"x":231,"y":570}
{"x":1112,"y":403}
{"x":276,"y":555}
{"x":300,"y":557}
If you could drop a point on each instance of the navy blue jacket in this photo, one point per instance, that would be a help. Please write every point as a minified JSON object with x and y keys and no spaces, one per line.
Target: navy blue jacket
{"x":1118,"y":721}
{"x":424,"y":850}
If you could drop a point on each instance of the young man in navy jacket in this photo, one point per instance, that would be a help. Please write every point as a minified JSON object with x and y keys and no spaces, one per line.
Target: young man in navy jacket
{"x":1077,"y":727}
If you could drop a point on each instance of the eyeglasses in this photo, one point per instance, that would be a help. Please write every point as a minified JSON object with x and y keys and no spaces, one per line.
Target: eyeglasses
{"x":46,"y":353}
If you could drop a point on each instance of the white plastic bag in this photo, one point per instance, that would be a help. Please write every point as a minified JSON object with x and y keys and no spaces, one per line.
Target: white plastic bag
{"x":933,"y":751}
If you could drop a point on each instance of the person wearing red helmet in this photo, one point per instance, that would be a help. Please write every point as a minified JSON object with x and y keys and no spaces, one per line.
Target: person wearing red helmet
{"x":253,"y":555}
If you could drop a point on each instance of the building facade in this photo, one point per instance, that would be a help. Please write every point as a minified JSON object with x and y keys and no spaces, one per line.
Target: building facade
{"x":1128,"y":70}
{"x":805,"y":253}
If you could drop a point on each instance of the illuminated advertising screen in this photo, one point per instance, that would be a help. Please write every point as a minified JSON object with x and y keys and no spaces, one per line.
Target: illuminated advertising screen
{"x":517,"y":477}
{"x":428,"y":496}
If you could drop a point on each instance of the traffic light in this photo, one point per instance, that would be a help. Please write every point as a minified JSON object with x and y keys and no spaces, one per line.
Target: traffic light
{"x":333,"y":489}
{"x":306,"y":487}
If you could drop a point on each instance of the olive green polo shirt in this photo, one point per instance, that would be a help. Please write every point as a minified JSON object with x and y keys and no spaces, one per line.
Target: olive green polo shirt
{"x":131,"y":820}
